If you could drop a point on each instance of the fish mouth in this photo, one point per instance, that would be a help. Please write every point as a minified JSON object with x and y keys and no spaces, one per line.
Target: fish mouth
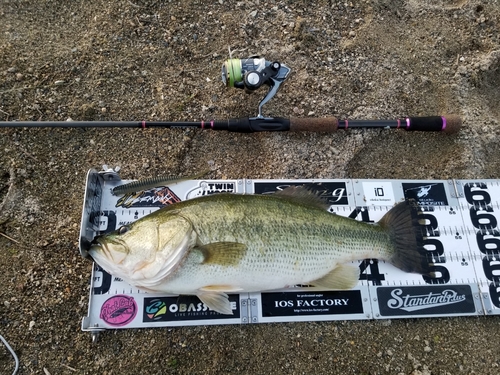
{"x":98,"y":250}
{"x":103,"y":252}
{"x":95,"y":247}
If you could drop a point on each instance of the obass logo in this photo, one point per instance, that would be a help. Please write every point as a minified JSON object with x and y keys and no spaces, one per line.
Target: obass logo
{"x":166,"y":309}
{"x":156,"y":309}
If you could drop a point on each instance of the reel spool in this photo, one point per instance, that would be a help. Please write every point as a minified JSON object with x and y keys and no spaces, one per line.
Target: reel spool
{"x":250,"y":74}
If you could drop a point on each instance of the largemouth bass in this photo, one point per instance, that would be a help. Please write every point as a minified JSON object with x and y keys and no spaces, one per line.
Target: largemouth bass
{"x":223,"y":243}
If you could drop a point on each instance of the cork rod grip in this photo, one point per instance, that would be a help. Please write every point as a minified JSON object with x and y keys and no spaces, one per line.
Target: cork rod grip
{"x":326,"y":124}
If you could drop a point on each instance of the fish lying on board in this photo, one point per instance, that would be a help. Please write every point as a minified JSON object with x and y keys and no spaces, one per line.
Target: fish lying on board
{"x":224,"y":243}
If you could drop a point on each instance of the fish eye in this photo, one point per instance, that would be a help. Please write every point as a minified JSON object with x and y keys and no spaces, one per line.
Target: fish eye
{"x":123,"y":229}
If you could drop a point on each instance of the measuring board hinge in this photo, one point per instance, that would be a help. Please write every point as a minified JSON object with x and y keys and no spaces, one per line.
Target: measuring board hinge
{"x":110,"y":174}
{"x":249,"y":311}
{"x":458,"y":189}
{"x":486,"y":303}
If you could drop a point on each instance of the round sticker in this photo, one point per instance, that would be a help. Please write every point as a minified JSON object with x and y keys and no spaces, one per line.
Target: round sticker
{"x":119,"y":310}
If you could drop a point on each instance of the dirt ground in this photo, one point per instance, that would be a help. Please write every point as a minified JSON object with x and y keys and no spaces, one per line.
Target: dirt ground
{"x":160,"y":60}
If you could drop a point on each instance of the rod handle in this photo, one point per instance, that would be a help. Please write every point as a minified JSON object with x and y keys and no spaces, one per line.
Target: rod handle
{"x":447,"y":124}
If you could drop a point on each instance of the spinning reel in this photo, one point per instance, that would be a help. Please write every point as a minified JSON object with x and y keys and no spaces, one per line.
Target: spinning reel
{"x":250,"y":74}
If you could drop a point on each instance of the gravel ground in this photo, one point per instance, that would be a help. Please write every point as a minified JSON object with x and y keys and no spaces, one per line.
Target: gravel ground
{"x":149,"y":59}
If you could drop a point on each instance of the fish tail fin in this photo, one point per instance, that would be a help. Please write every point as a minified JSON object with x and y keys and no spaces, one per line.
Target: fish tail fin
{"x":407,"y":237}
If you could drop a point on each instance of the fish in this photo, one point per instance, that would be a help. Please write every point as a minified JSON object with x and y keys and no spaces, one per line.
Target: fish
{"x":230,"y":243}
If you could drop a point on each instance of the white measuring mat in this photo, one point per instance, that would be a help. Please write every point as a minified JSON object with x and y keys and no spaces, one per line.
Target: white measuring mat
{"x":462,"y":241}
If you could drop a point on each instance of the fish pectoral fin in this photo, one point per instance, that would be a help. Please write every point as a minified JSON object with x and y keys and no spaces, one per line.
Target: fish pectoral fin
{"x":341,"y":277}
{"x":223,"y":253}
{"x":216,"y":301}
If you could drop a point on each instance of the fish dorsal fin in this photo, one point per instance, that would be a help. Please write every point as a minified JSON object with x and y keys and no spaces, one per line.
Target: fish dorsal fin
{"x":303,"y":195}
{"x":342,"y":277}
{"x":216,"y":301}
{"x":222,"y":253}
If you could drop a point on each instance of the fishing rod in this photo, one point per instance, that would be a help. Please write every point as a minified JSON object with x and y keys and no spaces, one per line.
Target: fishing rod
{"x":251,"y":74}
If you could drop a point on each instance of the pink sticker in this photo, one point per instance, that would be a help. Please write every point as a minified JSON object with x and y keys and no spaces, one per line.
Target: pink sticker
{"x":119,"y":310}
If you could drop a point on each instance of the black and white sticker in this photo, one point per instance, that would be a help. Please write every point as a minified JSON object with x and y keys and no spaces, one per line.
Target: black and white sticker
{"x":425,"y":300}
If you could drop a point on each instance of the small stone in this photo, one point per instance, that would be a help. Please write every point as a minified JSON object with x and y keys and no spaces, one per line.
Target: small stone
{"x":386,"y":322}
{"x":427,"y":349}
{"x":32,"y":324}
{"x":253,"y":14}
{"x":12,"y":69}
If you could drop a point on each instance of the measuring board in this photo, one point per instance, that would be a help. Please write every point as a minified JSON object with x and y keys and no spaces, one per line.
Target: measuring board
{"x":462,"y":239}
